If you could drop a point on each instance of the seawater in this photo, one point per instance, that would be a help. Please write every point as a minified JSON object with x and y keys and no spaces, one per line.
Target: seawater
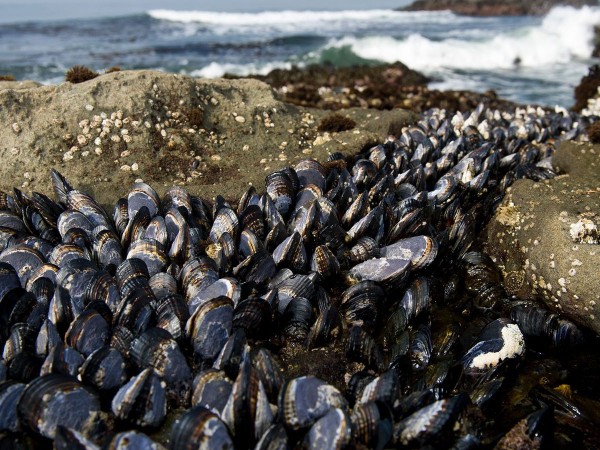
{"x":526,"y":59}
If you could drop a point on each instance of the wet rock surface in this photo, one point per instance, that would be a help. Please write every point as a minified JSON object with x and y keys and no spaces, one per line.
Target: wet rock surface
{"x":543,"y":236}
{"x":211,"y":136}
{"x":492,"y":8}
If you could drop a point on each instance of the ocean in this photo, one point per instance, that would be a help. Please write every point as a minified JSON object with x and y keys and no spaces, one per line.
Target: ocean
{"x":526,"y":59}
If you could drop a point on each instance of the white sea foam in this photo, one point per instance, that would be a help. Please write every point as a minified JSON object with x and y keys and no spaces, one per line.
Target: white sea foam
{"x":327,"y":23}
{"x":304,"y":17}
{"x":565,"y":34}
{"x":215,"y":69}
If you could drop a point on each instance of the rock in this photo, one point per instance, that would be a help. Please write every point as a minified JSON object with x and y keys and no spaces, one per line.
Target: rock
{"x":494,"y":8}
{"x":586,"y":92}
{"x":27,"y":84}
{"x":171,"y":128}
{"x":383,"y":86}
{"x":539,"y":239}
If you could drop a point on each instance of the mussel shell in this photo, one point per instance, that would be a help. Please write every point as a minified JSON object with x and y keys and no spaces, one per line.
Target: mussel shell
{"x":88,"y":332}
{"x":324,"y":262}
{"x":151,"y":252}
{"x":210,"y":327}
{"x":306,"y":399}
{"x":155,"y":348}
{"x":132,"y":440}
{"x":500,"y":339}
{"x":10,"y":392}
{"x":172,"y":315}
{"x":141,"y":401}
{"x":372,"y":424}
{"x":54,"y":400}
{"x":387,"y":271}
{"x":198,"y":428}
{"x":211,"y":389}
{"x":105,"y":369}
{"x":429,"y":424}
{"x":270,"y":372}
{"x":330,"y":431}
{"x":62,"y":360}
{"x":247,"y":412}
{"x":23,"y":259}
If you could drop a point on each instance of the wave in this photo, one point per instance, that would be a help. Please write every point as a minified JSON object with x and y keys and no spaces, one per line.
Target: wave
{"x":305,"y":20}
{"x":216,"y":70}
{"x":564,"y":34}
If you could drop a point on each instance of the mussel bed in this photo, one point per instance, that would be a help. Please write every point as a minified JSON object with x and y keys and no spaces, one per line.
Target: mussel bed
{"x":347,"y":306}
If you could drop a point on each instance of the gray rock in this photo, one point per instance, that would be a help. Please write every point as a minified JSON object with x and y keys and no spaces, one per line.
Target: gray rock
{"x":533,"y":236}
{"x":211,"y":136}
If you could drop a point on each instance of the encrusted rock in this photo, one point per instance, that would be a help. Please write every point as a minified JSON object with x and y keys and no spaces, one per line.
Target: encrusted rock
{"x":545,"y":237}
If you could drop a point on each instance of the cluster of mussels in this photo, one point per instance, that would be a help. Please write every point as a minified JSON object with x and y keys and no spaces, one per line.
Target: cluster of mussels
{"x":173,"y":315}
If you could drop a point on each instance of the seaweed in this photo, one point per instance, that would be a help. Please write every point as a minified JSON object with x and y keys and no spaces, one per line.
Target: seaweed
{"x":593,"y":132}
{"x":195,"y":117}
{"x":79,"y":74}
{"x":7,"y":77}
{"x":335,"y":123}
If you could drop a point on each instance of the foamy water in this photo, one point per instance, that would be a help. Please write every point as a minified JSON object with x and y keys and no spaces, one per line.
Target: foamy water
{"x":527,"y":59}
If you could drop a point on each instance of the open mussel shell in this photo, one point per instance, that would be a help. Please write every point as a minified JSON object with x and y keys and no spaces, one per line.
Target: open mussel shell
{"x":500,"y":339}
{"x":60,"y":400}
{"x":306,"y":399}
{"x":141,"y":401}
{"x":199,"y":428}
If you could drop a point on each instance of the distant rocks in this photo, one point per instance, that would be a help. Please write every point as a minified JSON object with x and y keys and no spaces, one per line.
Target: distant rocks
{"x":384,"y":86}
{"x":545,"y":239}
{"x":495,"y":8}
{"x":586,"y":92}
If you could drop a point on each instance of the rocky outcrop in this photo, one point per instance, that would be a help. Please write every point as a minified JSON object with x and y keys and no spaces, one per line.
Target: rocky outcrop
{"x":211,"y":136}
{"x":587,"y":90}
{"x":384,"y":86}
{"x":545,"y":236}
{"x":494,"y":8}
